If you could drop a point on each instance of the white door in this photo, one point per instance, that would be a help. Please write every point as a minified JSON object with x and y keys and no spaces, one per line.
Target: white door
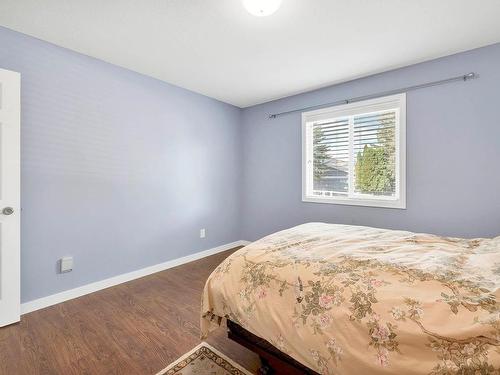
{"x":10,"y":281}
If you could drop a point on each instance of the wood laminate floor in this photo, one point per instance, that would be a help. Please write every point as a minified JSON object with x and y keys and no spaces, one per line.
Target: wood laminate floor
{"x":134,"y":328}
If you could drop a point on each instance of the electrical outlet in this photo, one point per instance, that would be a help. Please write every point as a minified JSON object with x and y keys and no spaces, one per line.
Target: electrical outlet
{"x":202,"y":233}
{"x":66,"y":264}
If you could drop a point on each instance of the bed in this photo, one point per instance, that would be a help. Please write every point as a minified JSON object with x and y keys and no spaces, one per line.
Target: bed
{"x":340,"y":299}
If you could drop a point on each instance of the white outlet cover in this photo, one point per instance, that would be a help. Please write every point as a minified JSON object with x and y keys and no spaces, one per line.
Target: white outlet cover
{"x":66,"y":264}
{"x":202,"y":233}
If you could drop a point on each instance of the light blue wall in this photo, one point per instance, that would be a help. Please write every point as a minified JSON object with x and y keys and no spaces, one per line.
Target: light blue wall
{"x":453,"y":150}
{"x":118,"y":169}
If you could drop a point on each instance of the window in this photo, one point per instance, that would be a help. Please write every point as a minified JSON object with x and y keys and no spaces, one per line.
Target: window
{"x":355,"y":153}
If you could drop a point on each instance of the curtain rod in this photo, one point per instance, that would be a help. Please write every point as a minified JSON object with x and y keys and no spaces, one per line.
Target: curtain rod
{"x":464,"y":78}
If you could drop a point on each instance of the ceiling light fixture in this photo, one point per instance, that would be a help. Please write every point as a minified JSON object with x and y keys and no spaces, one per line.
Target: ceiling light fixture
{"x":261,"y":8}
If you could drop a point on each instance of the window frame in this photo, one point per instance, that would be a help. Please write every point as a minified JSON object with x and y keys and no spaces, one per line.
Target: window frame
{"x":397,"y":101}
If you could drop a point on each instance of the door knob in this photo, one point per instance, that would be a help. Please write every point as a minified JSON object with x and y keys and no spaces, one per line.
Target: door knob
{"x":8,"y":211}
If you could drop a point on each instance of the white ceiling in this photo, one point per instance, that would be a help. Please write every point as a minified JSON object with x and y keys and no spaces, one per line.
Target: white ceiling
{"x":216,"y":48}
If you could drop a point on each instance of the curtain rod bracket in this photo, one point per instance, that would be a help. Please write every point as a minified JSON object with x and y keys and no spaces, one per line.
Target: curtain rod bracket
{"x":471,"y":75}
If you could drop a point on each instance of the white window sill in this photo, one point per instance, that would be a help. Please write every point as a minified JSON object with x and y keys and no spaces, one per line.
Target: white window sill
{"x":382,"y":203}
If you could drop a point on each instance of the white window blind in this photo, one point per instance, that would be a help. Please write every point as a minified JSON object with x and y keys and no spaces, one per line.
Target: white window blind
{"x":331,"y":157}
{"x":354,"y":154}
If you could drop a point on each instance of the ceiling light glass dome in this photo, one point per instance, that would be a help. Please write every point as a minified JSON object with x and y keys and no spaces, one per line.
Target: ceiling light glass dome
{"x":261,"y":8}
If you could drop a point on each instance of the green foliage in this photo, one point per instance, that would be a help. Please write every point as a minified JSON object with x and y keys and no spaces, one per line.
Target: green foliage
{"x":320,"y":154}
{"x":375,"y":172}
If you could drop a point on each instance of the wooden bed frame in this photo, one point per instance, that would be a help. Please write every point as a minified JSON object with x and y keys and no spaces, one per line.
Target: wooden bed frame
{"x":274,"y":362}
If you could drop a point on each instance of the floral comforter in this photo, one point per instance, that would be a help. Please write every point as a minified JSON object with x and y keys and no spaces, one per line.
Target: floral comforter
{"x":357,"y":300}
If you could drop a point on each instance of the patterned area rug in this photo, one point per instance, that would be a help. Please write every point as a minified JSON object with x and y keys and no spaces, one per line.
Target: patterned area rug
{"x":204,"y":360}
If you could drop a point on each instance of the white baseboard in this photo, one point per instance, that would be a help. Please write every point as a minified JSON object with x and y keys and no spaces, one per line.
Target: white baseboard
{"x":54,"y":299}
